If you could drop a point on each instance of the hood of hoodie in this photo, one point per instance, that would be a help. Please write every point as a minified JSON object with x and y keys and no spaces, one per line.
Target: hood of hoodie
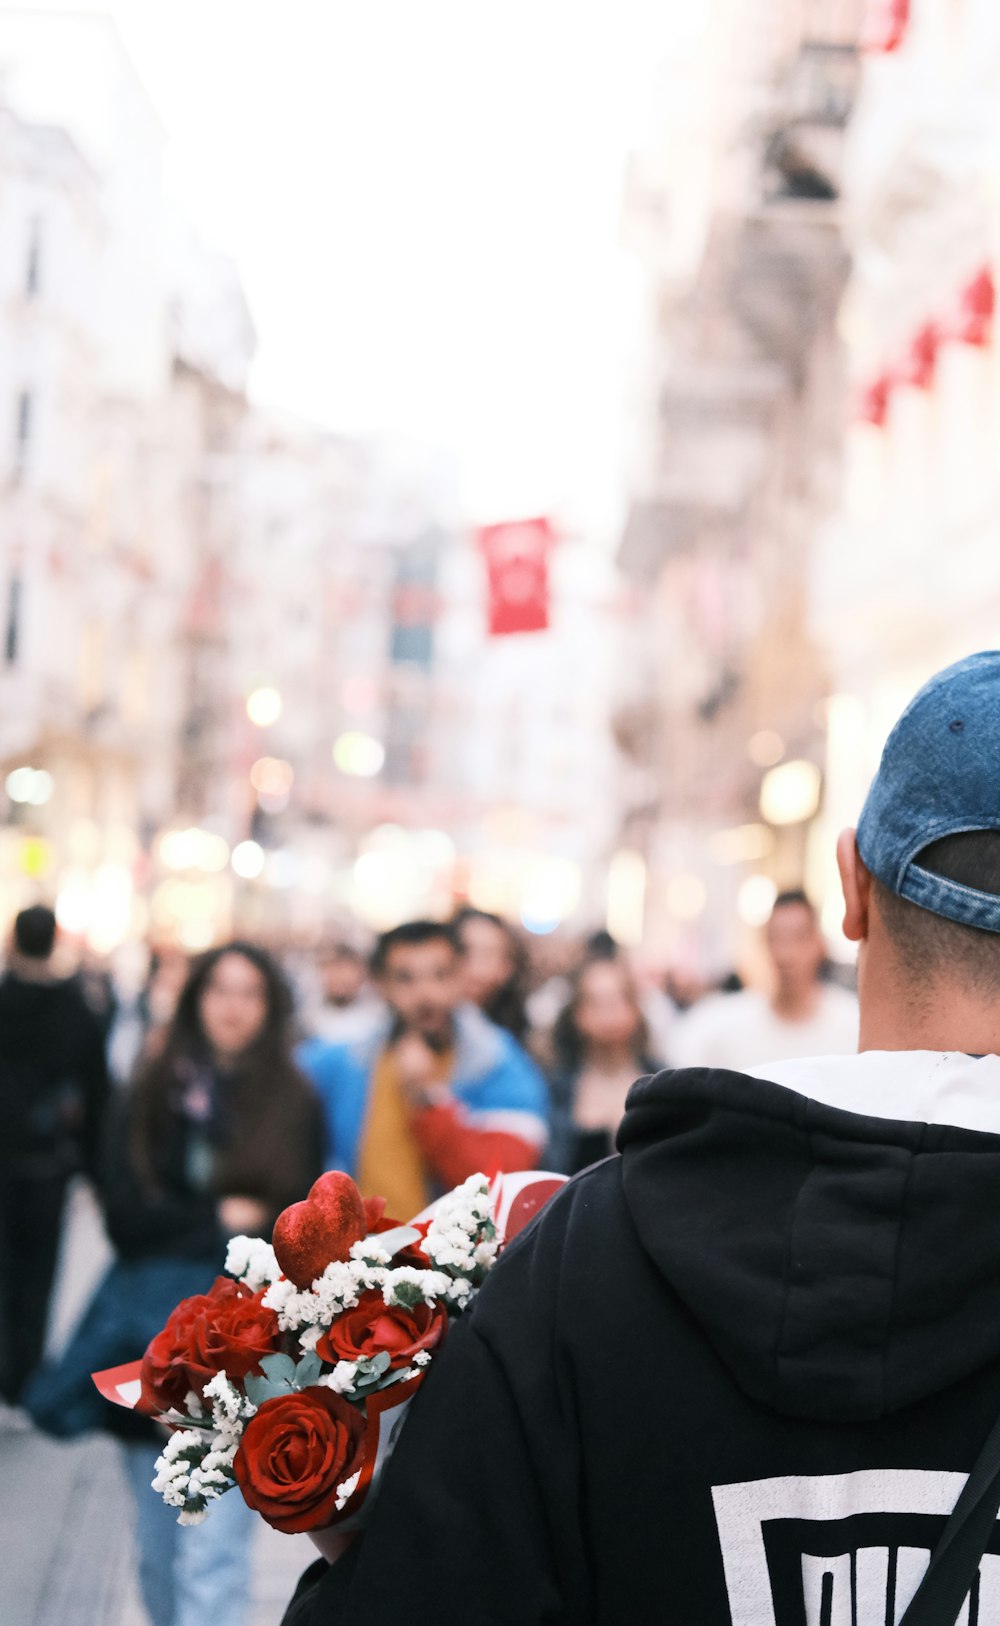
{"x":833,"y":1225}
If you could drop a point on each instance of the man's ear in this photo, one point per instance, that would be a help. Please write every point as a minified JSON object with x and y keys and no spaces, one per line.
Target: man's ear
{"x":857,"y":884}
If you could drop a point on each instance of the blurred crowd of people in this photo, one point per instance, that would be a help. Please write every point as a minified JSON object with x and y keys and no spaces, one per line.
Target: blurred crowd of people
{"x":207,"y":1101}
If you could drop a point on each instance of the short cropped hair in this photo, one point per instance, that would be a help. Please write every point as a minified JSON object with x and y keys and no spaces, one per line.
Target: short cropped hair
{"x":35,"y":932}
{"x":932,"y":947}
{"x":410,"y":935}
{"x":339,"y":950}
{"x":794,"y":897}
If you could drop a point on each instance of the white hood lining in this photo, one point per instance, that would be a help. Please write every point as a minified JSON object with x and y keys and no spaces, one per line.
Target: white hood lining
{"x":913,"y":1086}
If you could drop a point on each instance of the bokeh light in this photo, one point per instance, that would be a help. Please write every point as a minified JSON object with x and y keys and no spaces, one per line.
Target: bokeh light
{"x":247,"y":860}
{"x":264,"y":706}
{"x":359,"y":755}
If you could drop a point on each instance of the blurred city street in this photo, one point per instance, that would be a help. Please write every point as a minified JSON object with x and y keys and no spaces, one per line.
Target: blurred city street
{"x":464,"y":538}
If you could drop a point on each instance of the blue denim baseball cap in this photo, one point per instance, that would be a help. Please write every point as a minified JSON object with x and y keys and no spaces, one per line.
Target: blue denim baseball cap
{"x":939,"y":776}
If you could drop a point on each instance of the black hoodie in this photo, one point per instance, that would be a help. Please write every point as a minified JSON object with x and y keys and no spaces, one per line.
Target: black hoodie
{"x":736,"y":1375}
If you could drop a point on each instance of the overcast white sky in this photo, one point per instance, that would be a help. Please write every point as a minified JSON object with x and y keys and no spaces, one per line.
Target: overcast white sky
{"x":423,"y":198}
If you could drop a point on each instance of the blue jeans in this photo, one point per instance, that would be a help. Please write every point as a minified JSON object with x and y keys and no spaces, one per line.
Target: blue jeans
{"x":129,"y":1307}
{"x":190,"y":1575}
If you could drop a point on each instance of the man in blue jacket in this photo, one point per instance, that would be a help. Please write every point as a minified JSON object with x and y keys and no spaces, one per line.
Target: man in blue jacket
{"x":432,"y":1092}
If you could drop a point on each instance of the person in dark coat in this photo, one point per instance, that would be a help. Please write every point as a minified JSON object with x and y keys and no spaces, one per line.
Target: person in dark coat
{"x":221,"y":1130}
{"x":53,"y":1094}
{"x":741,"y":1373}
{"x":494,"y":969}
{"x":600,"y":1045}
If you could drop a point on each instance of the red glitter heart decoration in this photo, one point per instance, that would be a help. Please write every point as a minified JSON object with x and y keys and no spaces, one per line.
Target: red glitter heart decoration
{"x":309,"y":1235}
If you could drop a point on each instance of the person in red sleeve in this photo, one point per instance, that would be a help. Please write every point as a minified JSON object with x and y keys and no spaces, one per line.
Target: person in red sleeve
{"x":433,"y":1091}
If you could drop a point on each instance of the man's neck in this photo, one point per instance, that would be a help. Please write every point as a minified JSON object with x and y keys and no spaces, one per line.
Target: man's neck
{"x":956,"y":1025}
{"x":610,"y":1058}
{"x":796,"y":1003}
{"x":27,"y":969}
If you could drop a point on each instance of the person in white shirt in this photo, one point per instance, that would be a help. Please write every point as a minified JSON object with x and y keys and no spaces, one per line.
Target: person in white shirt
{"x":348,"y":1002}
{"x":801,"y":1016}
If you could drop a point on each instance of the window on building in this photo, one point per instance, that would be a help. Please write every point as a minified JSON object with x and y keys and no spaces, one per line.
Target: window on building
{"x":33,"y":265}
{"x":12,"y":629}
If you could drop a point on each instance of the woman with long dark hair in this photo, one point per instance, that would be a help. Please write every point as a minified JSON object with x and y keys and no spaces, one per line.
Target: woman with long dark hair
{"x":218,"y":1133}
{"x":223,"y":1130}
{"x":494,"y":969}
{"x":601,"y":1046}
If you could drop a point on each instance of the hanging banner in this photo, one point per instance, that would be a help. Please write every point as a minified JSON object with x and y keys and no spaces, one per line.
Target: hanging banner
{"x":873,"y":401}
{"x":885,"y":25}
{"x":977,"y":308}
{"x":919,"y":365}
{"x":517,"y":569}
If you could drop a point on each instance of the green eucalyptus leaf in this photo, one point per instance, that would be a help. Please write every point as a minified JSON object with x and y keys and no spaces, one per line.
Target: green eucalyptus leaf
{"x":308,"y":1370}
{"x":254,"y":1389}
{"x":402,"y":1376}
{"x":260,"y":1390}
{"x":278,"y":1366}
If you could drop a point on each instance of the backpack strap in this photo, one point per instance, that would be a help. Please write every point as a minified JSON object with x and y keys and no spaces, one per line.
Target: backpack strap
{"x":955,"y":1560}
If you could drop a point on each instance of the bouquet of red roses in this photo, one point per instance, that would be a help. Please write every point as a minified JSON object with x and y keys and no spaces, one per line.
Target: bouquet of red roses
{"x":290,"y":1378}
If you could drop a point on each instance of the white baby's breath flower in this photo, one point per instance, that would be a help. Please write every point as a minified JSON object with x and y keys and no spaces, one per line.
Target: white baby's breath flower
{"x":222,"y":1394}
{"x":368,"y":1277}
{"x":431,"y":1284}
{"x":182,"y":1441}
{"x":370,"y":1248}
{"x":194,"y":1469}
{"x":336,"y":1290}
{"x":174,"y":1466}
{"x":231,"y":1410}
{"x":192,"y":1515}
{"x":341,"y":1380}
{"x":422,"y":1358}
{"x":319,"y":1305}
{"x":459,"y":1238}
{"x":252,"y":1260}
{"x":293,"y":1308}
{"x":346,"y":1491}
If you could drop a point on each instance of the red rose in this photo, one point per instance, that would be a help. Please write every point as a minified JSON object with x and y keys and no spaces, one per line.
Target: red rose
{"x":225,"y":1330}
{"x":294,"y":1454}
{"x":373,"y":1326}
{"x":375,"y":1216}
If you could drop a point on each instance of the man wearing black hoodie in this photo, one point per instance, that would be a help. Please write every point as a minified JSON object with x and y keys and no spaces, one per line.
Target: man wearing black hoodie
{"x":53,"y":1089}
{"x":739,"y":1374}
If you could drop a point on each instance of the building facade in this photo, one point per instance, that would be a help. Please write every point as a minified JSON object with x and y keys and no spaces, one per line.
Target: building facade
{"x":721,"y":726}
{"x":906,"y":578}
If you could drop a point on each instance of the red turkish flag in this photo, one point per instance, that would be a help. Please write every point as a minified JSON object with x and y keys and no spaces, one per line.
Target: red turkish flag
{"x":873,"y":401}
{"x":920,"y":363}
{"x":978,"y":306}
{"x":885,"y":25}
{"x":517,"y":569}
